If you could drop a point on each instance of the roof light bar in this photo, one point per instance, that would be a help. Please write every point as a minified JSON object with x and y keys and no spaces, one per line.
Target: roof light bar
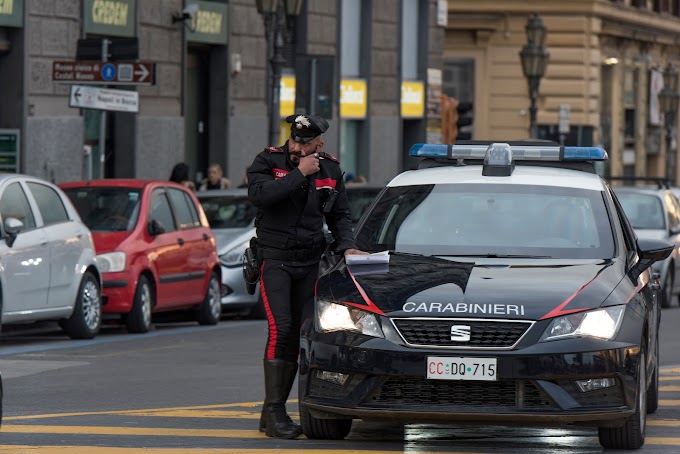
{"x":519,"y":152}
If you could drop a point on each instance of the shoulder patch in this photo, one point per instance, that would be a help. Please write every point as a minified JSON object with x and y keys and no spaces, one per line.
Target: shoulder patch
{"x":273,"y":150}
{"x":325,"y":155}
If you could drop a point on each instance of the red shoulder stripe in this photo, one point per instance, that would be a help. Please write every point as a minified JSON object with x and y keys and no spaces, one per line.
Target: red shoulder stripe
{"x":325,"y":155}
{"x":273,"y":150}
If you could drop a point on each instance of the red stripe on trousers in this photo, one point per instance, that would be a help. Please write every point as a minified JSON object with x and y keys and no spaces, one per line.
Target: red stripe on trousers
{"x":271,"y":344}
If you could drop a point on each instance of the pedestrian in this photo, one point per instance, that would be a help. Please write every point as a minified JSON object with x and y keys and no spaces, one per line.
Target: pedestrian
{"x":294,"y":187}
{"x":215,"y":179}
{"x":180,"y":174}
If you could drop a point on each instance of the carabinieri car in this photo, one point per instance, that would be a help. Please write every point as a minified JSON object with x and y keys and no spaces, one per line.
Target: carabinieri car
{"x":513,"y":291}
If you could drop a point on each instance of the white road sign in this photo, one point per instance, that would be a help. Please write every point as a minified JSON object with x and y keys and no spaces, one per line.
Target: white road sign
{"x":89,"y":97}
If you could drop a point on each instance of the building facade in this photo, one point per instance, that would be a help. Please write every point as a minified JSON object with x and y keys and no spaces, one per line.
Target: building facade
{"x":605,"y":69}
{"x":208,"y":98}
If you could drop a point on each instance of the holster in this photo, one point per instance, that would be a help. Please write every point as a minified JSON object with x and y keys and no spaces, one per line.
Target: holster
{"x":251,"y":268}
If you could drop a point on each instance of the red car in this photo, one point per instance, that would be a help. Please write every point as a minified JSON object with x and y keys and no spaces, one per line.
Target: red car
{"x":154,"y":248}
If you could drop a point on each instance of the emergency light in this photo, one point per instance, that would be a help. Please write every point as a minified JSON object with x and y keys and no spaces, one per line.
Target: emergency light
{"x":505,"y":152}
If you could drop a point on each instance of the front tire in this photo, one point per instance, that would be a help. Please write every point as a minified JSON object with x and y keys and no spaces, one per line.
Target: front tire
{"x":210,"y":310}
{"x":632,"y":434}
{"x":86,"y":319}
{"x":323,"y":429}
{"x":653,"y":390}
{"x":139,"y":318}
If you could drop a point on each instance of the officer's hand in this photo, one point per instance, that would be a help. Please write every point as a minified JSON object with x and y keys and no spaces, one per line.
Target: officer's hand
{"x":309,"y":164}
{"x":355,"y":252}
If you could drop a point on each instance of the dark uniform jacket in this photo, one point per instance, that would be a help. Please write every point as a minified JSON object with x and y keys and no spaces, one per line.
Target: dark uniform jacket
{"x":290,"y":213}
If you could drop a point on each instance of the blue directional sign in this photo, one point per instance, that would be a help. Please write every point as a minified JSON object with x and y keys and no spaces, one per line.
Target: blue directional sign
{"x":108,"y":72}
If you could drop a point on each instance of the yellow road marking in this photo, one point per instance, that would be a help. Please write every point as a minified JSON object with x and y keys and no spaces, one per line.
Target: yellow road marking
{"x":669,"y":402}
{"x":675,"y":370}
{"x":134,"y":412}
{"x":145,"y":431}
{"x":669,"y":388}
{"x":662,"y":441}
{"x":663,"y":423}
{"x":670,"y":378}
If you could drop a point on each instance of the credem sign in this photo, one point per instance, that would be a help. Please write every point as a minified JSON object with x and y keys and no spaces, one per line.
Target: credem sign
{"x":209,"y":24}
{"x":110,"y":17}
{"x":11,"y":13}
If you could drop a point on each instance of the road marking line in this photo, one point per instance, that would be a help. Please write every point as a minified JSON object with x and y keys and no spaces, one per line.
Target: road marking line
{"x":670,"y":378}
{"x":662,"y":441}
{"x":145,"y":431}
{"x":12,"y":449}
{"x":669,"y":388}
{"x":663,"y":423}
{"x":669,"y":402}
{"x":139,"y":411}
{"x":675,"y":370}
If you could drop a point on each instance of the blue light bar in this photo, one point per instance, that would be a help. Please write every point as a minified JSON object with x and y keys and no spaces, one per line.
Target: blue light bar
{"x":584,"y":154}
{"x":519,"y":152}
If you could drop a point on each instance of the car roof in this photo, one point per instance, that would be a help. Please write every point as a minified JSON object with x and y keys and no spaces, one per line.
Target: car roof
{"x":522,"y":175}
{"x":112,"y":182}
{"x":221,"y":192}
{"x":640,"y":190}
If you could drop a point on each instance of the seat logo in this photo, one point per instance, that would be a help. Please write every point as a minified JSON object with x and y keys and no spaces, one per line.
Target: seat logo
{"x":460,"y":333}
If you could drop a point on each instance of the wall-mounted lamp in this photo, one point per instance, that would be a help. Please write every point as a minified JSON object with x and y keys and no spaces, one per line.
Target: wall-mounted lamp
{"x":611,"y":61}
{"x":187,"y":16}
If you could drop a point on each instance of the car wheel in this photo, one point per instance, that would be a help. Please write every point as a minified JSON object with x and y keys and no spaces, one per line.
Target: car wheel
{"x":653,"y":390}
{"x":86,"y":319}
{"x":632,"y":434}
{"x":667,"y":289}
{"x":323,"y":429}
{"x":139,"y":318}
{"x":211,"y":308}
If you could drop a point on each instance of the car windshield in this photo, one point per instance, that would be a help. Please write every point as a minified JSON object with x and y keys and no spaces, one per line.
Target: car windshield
{"x":106,"y":209}
{"x":228,"y":212}
{"x":644,"y":211}
{"x":489,"y":220}
{"x":359,"y":201}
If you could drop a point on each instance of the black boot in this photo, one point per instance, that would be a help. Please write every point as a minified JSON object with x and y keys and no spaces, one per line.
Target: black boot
{"x":290,"y":374}
{"x":277,"y":383}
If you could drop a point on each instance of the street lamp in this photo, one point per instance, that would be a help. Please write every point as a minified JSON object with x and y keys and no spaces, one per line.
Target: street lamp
{"x":534,"y":59}
{"x":668,"y":98}
{"x":276,"y":30}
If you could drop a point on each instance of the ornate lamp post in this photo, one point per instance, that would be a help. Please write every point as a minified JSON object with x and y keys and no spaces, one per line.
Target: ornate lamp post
{"x":668,"y":98}
{"x":534,"y":59}
{"x":275,"y":26}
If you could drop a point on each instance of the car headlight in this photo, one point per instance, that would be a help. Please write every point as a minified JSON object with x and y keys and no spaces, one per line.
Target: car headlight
{"x":113,"y":262}
{"x":337,"y":317}
{"x":234,"y":256}
{"x":602,"y":323}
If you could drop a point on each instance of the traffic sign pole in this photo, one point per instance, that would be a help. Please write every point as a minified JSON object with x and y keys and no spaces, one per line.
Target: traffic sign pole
{"x":102,"y":118}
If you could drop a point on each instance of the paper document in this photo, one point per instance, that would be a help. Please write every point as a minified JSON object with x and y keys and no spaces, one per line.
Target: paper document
{"x":370,"y":259}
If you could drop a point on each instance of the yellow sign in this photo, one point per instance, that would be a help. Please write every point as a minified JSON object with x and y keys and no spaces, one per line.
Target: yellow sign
{"x":110,"y":12}
{"x":6,"y":6}
{"x":287,"y":96}
{"x":412,"y":99}
{"x":353,"y":96}
{"x":284,"y":132}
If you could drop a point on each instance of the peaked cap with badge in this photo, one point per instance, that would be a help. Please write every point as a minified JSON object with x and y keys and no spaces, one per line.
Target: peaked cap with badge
{"x":304,"y":128}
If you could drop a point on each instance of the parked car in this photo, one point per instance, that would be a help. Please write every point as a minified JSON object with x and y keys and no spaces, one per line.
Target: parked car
{"x":510,"y":289}
{"x":654,"y":212}
{"x":232,"y":218}
{"x":154,"y":247}
{"x":47,"y":255}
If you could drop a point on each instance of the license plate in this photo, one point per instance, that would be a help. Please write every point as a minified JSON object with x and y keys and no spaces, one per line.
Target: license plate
{"x":461,"y":368}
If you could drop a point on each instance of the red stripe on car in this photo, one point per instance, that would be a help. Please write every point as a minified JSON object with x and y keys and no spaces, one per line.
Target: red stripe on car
{"x":371,"y":307}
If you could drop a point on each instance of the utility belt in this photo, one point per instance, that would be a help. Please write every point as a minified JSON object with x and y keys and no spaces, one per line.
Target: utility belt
{"x":294,"y":255}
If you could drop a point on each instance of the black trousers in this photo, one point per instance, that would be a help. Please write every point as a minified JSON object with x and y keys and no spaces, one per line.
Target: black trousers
{"x":286,"y":289}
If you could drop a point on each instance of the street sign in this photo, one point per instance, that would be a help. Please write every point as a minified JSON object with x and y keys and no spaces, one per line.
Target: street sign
{"x":104,"y":73}
{"x":88,"y":97}
{"x":563,"y":127}
{"x":9,"y":150}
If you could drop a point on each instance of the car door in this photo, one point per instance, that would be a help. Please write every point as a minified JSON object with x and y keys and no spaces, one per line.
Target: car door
{"x":673,"y":209}
{"x":195,"y":243}
{"x":166,"y":251}
{"x":26,"y":263}
{"x":64,"y":242}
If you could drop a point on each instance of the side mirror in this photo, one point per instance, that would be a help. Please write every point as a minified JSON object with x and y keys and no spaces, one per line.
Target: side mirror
{"x":154,"y":228}
{"x":12,"y":227}
{"x":650,"y":251}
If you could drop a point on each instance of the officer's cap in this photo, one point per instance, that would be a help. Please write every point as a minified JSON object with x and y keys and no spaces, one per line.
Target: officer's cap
{"x":304,"y":128}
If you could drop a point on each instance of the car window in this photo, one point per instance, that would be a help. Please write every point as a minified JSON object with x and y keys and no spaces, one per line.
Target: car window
{"x":228,"y":211}
{"x":49,"y":203}
{"x":644,"y":211}
{"x":673,"y":209}
{"x":14,"y":204}
{"x":106,"y":209}
{"x":359,"y":200}
{"x":472,"y":219}
{"x":182,"y":209}
{"x":192,"y":209}
{"x":161,"y":212}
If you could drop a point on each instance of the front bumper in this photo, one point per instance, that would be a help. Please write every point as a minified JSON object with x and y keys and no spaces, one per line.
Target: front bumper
{"x":118,"y":292}
{"x":234,"y":294}
{"x":535,"y":384}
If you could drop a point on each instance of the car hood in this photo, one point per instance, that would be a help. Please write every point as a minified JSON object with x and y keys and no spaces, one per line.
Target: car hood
{"x":108,"y":241}
{"x":420,"y":286}
{"x":652,"y":234}
{"x":229,"y":238}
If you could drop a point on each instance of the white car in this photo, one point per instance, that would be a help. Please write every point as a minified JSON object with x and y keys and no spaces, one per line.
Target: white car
{"x":47,"y":259}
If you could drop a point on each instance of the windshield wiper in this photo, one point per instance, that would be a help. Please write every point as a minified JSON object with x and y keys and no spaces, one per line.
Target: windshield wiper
{"x":498,"y":256}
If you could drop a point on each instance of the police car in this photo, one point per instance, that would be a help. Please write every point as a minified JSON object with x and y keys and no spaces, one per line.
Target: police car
{"x":508,"y":288}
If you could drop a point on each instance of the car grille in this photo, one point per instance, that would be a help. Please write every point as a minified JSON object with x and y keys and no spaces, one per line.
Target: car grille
{"x":506,"y":394}
{"x":436,"y":332}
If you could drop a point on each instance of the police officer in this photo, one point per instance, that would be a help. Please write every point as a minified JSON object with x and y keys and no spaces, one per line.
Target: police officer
{"x":294,"y":188}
